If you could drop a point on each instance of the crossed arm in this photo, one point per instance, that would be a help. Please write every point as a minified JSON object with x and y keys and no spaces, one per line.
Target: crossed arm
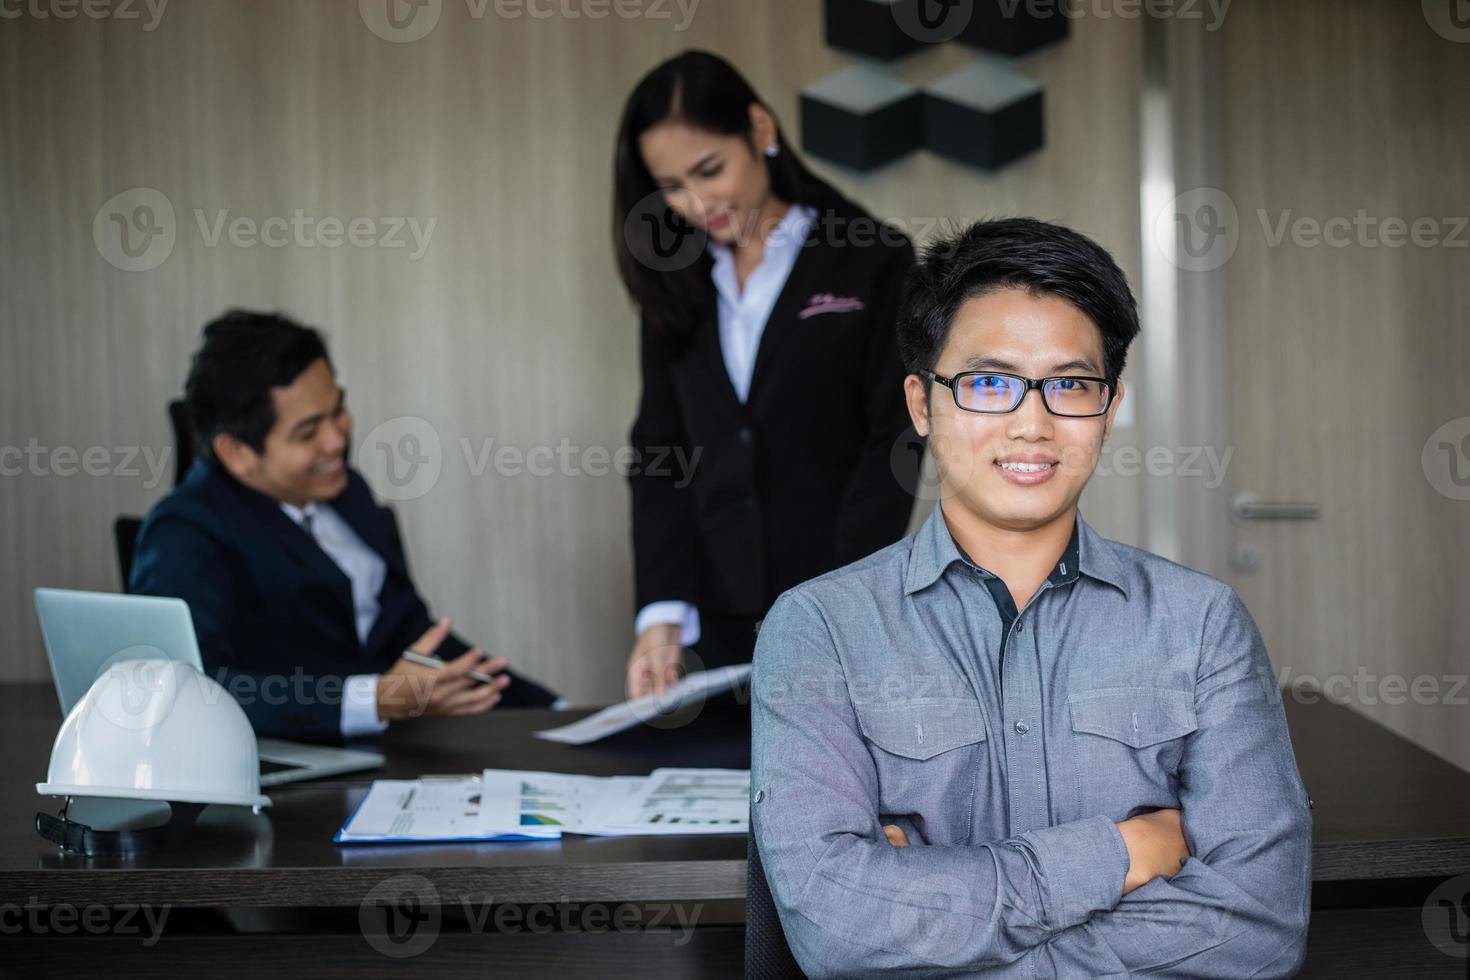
{"x":1051,"y":901}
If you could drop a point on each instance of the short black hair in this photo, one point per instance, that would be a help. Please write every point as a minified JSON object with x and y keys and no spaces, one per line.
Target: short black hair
{"x":1020,"y":253}
{"x":246,"y":354}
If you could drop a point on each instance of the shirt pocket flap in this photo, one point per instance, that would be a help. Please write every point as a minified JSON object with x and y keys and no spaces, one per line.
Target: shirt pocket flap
{"x":921,"y":729}
{"x":1136,"y":716}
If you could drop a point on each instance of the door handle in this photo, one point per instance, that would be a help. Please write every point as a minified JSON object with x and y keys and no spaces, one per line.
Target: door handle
{"x":1250,"y":507}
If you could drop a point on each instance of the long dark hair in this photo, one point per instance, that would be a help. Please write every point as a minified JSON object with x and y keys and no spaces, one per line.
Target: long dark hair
{"x":707,"y":92}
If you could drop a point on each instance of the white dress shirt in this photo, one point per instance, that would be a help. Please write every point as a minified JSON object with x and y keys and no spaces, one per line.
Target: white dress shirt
{"x":743,"y":315}
{"x":366,"y":570}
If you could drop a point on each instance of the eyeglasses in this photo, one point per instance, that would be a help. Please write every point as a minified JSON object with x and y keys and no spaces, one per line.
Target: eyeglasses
{"x":989,"y":393}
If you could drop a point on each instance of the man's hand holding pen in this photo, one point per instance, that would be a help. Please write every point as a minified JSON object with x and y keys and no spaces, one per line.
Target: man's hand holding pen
{"x":412,"y":690}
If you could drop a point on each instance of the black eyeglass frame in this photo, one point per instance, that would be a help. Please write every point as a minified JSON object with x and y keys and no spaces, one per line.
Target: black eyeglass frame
{"x":1030,"y":383}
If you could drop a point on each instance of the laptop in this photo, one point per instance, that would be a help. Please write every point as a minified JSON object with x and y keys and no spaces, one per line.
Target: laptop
{"x":87,"y":632}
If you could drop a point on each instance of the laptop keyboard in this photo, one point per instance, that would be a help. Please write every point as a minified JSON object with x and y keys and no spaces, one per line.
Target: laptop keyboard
{"x":267,"y":767}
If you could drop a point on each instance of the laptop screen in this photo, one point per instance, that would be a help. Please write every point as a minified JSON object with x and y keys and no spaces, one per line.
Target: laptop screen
{"x":87,"y":632}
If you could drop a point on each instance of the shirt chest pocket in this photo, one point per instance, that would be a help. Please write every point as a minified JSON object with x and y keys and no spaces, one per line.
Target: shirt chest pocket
{"x":1127,"y":744}
{"x":928,"y":754}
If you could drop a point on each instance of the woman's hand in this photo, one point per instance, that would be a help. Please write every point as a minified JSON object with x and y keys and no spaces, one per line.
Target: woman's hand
{"x":656,"y":661}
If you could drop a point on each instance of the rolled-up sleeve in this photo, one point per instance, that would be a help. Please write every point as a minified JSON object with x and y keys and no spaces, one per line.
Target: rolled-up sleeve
{"x":850,"y":903}
{"x":1240,"y":906}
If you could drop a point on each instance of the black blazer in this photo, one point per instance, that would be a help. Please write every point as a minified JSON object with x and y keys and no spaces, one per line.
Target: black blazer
{"x":815,"y":470}
{"x":268,"y":603}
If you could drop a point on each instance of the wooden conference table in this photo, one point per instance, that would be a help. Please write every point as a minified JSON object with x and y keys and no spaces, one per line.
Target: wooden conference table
{"x":254,"y":895}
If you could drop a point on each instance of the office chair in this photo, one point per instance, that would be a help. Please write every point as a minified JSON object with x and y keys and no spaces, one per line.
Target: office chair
{"x":767,"y":955}
{"x":125,"y":529}
{"x":125,"y":537}
{"x":186,"y":445}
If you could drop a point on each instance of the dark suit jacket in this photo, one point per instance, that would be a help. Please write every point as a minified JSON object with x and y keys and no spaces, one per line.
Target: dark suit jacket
{"x":814,"y":471}
{"x":272,"y":610}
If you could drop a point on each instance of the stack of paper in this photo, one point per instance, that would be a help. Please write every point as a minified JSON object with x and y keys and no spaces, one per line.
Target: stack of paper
{"x":506,"y":804}
{"x":681,"y":801}
{"x":621,"y":717}
{"x":397,"y":810}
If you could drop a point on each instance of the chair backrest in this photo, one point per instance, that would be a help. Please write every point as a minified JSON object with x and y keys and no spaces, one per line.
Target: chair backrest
{"x":125,"y":539}
{"x":186,"y":444}
{"x":767,"y":955}
{"x":125,"y":529}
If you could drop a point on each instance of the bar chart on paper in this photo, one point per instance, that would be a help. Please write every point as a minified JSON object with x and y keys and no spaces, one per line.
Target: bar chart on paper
{"x":682,"y":800}
{"x":508,"y":804}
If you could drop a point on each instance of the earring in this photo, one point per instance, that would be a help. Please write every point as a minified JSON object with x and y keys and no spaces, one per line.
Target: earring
{"x":773,"y":151}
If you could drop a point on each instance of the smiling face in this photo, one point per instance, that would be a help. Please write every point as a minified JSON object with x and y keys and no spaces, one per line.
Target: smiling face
{"x":304,"y":456}
{"x":717,"y":183}
{"x":1026,"y":469}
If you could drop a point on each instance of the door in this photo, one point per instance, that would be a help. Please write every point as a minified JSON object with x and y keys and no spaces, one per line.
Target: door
{"x":1345,"y":154}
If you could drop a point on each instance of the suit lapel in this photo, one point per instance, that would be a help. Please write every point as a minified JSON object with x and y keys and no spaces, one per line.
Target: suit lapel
{"x":302,"y":550}
{"x":709,"y":357}
{"x":812,"y":265}
{"x":356,"y":507}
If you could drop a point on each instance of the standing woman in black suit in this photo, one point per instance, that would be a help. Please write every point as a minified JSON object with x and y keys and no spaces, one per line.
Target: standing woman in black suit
{"x":771,"y":434}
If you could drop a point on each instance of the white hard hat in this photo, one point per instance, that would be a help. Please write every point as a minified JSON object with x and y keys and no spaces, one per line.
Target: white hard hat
{"x":156,"y":730}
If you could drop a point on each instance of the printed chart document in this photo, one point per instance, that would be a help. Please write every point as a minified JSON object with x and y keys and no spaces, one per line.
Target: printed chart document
{"x":629,"y":714}
{"x":551,"y":803}
{"x":506,"y":804}
{"x":683,"y":801}
{"x":413,"y":810}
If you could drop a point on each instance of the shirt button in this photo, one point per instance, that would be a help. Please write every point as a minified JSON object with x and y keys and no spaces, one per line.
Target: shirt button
{"x":1019,"y":627}
{"x":1022,"y":728}
{"x":760,"y":794}
{"x":744,"y":435}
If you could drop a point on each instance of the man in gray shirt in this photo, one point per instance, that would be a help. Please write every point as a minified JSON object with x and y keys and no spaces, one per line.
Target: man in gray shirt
{"x":1006,"y":746}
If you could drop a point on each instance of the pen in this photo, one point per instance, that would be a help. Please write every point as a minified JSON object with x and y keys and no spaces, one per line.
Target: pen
{"x":437,"y":664}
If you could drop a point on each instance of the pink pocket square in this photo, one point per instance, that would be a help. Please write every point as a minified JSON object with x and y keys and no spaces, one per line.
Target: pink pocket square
{"x":828,"y":303}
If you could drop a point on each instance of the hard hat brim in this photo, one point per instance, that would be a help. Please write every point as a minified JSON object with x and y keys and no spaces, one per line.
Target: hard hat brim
{"x":161,"y":795}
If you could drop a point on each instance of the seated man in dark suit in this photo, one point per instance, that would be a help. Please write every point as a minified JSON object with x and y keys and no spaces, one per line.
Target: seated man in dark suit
{"x":296,"y":579}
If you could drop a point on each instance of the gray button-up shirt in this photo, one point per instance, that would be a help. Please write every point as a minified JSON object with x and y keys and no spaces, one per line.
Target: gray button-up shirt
{"x":1128,"y":683}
